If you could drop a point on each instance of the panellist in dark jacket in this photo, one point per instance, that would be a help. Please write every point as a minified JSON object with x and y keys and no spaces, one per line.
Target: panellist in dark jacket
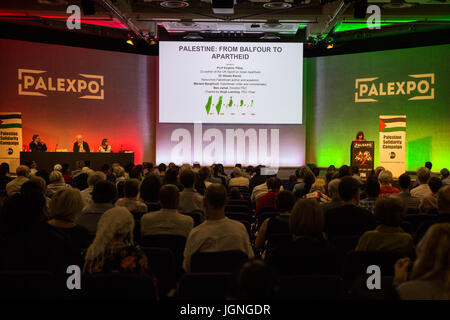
{"x":80,"y":145}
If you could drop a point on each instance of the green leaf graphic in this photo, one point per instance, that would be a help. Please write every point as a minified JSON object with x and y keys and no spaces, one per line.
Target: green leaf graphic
{"x":242,"y":102}
{"x":208,"y":105}
{"x":219,"y":105}
{"x":231,"y":102}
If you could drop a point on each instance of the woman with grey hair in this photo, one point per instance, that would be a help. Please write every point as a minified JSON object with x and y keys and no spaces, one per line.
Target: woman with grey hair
{"x":113,"y":250}
{"x":57,"y":182}
{"x":386,"y":188}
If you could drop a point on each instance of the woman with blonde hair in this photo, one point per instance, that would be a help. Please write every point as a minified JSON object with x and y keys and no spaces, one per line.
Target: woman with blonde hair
{"x":56,"y":183}
{"x":113,"y":250}
{"x":430,"y":275}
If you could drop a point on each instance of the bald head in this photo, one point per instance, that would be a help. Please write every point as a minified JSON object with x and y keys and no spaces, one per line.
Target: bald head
{"x":444,"y":200}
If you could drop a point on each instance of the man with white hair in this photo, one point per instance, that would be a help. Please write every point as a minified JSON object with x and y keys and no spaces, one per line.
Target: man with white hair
{"x":86,"y":194}
{"x":23,"y":172}
{"x":333,"y":192}
{"x":423,"y":189}
{"x":238,"y":180}
{"x":79,"y":145}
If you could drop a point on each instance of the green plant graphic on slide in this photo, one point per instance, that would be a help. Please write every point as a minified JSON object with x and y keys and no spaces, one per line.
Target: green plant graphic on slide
{"x":208,"y":105}
{"x":219,"y":105}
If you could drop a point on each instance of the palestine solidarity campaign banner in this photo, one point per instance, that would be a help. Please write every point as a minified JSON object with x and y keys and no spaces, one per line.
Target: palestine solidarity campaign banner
{"x":10,"y":138}
{"x":393,"y":143}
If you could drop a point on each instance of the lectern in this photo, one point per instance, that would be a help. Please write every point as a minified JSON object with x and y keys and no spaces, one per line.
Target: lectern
{"x":362,"y":156}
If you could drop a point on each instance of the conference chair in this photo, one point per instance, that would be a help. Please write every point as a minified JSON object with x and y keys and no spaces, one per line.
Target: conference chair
{"x":276,"y":239}
{"x":240,"y":216}
{"x":162,"y":264}
{"x":205,"y":286}
{"x":28,"y":284}
{"x":222,"y":261}
{"x":196,"y":215}
{"x":356,"y":263}
{"x":118,"y":286}
{"x":237,"y":208}
{"x":237,"y":202}
{"x":312,"y":287}
{"x":266,"y":213}
{"x":345,"y":244}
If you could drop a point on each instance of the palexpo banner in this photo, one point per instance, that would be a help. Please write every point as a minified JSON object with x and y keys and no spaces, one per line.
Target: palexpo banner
{"x":10,"y":138}
{"x":393,"y":143}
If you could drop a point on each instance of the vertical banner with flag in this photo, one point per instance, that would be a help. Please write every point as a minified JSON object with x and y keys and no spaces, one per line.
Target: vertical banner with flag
{"x":393,"y":144}
{"x":10,"y":138}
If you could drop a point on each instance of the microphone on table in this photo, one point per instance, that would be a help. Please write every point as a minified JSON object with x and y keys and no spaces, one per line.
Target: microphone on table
{"x":56,"y":147}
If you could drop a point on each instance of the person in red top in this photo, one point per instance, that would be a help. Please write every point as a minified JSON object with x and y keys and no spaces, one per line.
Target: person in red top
{"x":386,"y":188}
{"x":268,"y":199}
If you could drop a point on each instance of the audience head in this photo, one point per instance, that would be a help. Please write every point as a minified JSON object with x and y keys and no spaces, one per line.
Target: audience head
{"x":56,"y":177}
{"x":273,"y":184}
{"x":256,"y":280}
{"x":215,"y":200}
{"x":333,"y":188}
{"x":149,"y":190}
{"x":235,"y":193}
{"x":4,"y":169}
{"x":423,"y":175}
{"x":385,"y":178}
{"x":317,"y":187}
{"x":355,"y":170}
{"x":433,"y":256}
{"x":203,"y":173}
{"x":171,"y":176}
{"x":79,"y":164}
{"x":104,"y":192}
{"x":445,"y":173}
{"x":80,"y":181}
{"x":404,"y":181}
{"x":237,"y":172}
{"x":187,"y":178}
{"x":119,"y":171}
{"x":316,"y":171}
{"x":169,"y":196}
{"x":39,"y":181}
{"x":444,"y":200}
{"x":95,"y":177}
{"x":285,"y":201}
{"x":435,"y":184}
{"x":349,"y":190}
{"x":428,"y":165}
{"x":23,"y":171}
{"x":306,"y":219}
{"x":390,"y":211}
{"x":372,"y":187}
{"x":131,"y":188}
{"x":344,"y":171}
{"x":378,"y":170}
{"x":162,"y":167}
{"x":115,"y":224}
{"x":66,"y":204}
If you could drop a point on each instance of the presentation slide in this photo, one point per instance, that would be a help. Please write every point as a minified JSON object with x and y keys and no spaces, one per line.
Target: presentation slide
{"x":230,"y":82}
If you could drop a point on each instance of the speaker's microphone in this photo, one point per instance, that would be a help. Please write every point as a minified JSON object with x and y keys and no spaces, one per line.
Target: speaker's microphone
{"x":56,"y":147}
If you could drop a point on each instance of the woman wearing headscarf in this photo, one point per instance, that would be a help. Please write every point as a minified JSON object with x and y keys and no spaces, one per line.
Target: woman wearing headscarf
{"x":113,"y":250}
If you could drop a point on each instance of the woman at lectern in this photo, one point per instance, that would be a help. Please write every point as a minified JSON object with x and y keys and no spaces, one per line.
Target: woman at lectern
{"x":360,"y":136}
{"x":105,"y":147}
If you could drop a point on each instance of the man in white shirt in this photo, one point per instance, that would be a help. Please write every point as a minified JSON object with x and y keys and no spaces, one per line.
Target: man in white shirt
{"x":218,"y":233}
{"x":238,"y":180}
{"x":23,"y":172}
{"x":167,"y":220}
{"x":423,"y":189}
{"x":190,"y":199}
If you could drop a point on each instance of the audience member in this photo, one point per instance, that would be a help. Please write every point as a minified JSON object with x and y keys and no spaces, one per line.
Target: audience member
{"x":411,"y":203}
{"x":443,"y":209}
{"x":92,"y":180}
{"x":388,"y":236}
{"x":130,"y":199}
{"x":171,"y":177}
{"x":373,"y":191}
{"x":13,"y":187}
{"x":238,"y":179}
{"x":423,"y":189}
{"x":317,"y":192}
{"x":429,"y":202}
{"x":430,"y":275}
{"x":65,"y":170}
{"x":257,"y":179}
{"x":284,"y":202}
{"x":445,"y":177}
{"x":149,"y":192}
{"x":308,"y":253}
{"x":112,"y":250}
{"x":268,"y":199}
{"x":305,"y":179}
{"x":4,"y":178}
{"x":386,"y":188}
{"x":104,"y":195}
{"x":168,"y":220}
{"x":56,"y":183}
{"x":256,"y":280}
{"x":333,"y":192}
{"x":349,"y":219}
{"x":218,"y":233}
{"x":190,"y":199}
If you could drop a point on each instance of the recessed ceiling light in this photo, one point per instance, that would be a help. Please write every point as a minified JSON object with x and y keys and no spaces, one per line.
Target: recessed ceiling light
{"x":174,"y":4}
{"x":277,"y":5}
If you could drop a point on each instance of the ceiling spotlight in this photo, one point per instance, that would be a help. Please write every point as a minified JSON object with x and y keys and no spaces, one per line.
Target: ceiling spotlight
{"x":269,"y":36}
{"x":277,"y":5}
{"x":192,"y":36}
{"x":173,"y":4}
